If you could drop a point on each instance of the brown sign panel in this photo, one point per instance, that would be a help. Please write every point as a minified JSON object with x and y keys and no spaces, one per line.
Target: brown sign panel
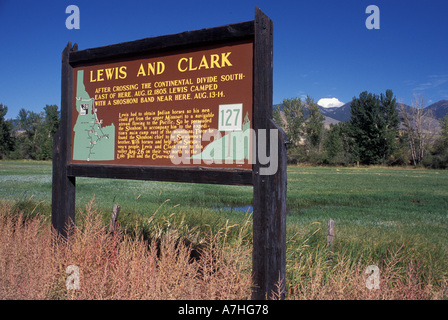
{"x":185,"y":108}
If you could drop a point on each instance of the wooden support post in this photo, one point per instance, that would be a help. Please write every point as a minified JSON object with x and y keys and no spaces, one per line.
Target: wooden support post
{"x":269,"y":217}
{"x":63,"y":190}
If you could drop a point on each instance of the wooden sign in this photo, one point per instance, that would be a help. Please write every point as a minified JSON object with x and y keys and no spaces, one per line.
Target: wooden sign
{"x":189,"y":107}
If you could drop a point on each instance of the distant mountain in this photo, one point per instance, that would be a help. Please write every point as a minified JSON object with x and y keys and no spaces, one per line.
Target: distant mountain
{"x":328,"y":120}
{"x":438,"y":109}
{"x":337,"y":114}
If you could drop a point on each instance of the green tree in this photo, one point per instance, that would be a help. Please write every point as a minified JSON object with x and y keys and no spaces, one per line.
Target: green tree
{"x":6,"y":138}
{"x":333,"y":144}
{"x":444,"y":132}
{"x":35,"y":132}
{"x":314,"y":127}
{"x":374,"y":126}
{"x":389,"y":131}
{"x":439,"y":154}
{"x":52,"y":120}
{"x":339,"y":147}
{"x":277,"y":116}
{"x":294,"y":112}
{"x":30,"y":137}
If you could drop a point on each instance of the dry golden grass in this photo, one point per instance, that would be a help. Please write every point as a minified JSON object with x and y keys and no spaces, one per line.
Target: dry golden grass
{"x":113,"y":265}
{"x":345,"y":282}
{"x":26,"y":257}
{"x":119,"y":265}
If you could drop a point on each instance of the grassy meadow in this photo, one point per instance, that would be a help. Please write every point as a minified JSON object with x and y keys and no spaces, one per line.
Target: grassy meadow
{"x":395,"y":218}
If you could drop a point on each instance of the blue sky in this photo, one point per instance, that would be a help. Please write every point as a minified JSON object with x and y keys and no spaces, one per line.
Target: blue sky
{"x":321,"y":47}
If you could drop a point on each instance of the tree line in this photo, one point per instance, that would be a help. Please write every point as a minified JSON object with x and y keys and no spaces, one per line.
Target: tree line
{"x":30,"y":135}
{"x":379,"y":132}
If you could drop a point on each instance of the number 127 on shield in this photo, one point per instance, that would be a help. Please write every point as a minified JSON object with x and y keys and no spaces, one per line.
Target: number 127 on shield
{"x":230,"y":117}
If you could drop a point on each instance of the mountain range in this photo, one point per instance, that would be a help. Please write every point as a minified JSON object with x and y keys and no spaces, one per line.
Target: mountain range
{"x":334,"y":115}
{"x":438,"y":109}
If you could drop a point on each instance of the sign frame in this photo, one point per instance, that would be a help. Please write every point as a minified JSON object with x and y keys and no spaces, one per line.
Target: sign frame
{"x":269,"y":197}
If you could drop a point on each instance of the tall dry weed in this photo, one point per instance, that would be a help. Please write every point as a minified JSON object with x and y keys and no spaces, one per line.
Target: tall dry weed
{"x":343,"y":280}
{"x":27,"y":261}
{"x":121,"y":265}
{"x":113,"y":265}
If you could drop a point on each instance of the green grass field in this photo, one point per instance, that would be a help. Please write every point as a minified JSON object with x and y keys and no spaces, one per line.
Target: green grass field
{"x":380,"y":213}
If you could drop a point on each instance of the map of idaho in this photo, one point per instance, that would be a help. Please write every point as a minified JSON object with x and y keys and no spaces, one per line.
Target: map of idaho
{"x":92,"y":141}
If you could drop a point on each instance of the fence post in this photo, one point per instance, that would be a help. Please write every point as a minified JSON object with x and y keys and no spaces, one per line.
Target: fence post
{"x":114,"y":217}
{"x":330,"y":234}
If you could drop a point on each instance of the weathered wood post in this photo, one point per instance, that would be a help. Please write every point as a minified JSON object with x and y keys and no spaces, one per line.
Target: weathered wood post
{"x":269,"y":217}
{"x":114,"y":217}
{"x":63,"y":190}
{"x":330,"y":234}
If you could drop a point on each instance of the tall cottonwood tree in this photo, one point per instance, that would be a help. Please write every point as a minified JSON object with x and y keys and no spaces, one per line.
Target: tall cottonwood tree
{"x":314,"y":126}
{"x":388,"y":109}
{"x":6,"y":138}
{"x":374,"y":126}
{"x":294,"y":112}
{"x":419,"y":128}
{"x":52,"y":119}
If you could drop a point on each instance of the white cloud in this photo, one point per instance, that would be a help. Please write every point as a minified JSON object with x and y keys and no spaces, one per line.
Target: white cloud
{"x":330,"y":103}
{"x":435,"y":81}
